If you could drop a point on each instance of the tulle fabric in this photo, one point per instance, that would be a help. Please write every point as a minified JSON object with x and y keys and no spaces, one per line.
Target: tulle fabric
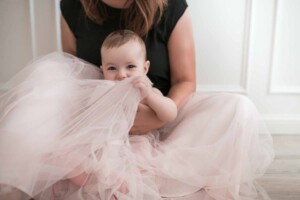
{"x":58,"y":119}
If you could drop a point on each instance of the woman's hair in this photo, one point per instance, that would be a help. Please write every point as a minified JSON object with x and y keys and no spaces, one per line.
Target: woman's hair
{"x":138,"y":17}
{"x":120,"y":37}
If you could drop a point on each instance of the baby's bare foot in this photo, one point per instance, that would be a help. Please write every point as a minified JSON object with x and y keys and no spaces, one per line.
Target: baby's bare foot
{"x":123,"y":188}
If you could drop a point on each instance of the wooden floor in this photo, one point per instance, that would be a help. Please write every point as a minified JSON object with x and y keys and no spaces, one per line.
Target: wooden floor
{"x":282,"y":179}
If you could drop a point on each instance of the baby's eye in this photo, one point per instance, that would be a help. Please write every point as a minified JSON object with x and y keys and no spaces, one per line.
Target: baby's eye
{"x":131,"y":66}
{"x":110,"y":68}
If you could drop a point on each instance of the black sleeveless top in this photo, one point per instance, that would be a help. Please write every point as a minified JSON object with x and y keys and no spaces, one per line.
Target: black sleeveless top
{"x":90,"y":36}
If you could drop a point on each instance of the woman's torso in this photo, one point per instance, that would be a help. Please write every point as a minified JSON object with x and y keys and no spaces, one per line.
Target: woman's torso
{"x":90,"y":36}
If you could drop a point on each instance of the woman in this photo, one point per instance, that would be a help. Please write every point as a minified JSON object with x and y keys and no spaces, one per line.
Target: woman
{"x":224,"y":156}
{"x":79,"y":123}
{"x":168,"y":37}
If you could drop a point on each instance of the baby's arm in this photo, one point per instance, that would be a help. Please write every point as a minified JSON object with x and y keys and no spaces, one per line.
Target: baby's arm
{"x":164,"y":107}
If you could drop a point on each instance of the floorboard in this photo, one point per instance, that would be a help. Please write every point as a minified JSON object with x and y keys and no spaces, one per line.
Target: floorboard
{"x":282,"y":179}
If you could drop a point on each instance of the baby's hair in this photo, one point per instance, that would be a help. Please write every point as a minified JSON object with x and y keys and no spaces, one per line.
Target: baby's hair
{"x":120,"y":37}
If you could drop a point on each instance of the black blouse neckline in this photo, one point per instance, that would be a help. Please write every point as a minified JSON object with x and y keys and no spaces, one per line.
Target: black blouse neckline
{"x":112,"y":9}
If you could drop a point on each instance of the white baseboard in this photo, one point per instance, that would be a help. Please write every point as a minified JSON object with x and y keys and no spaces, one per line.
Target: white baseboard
{"x":221,"y":88}
{"x":278,"y":124}
{"x":283,"y":124}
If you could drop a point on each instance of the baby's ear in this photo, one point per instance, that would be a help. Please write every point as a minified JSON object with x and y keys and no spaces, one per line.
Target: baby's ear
{"x":146,"y":66}
{"x":101,"y":69}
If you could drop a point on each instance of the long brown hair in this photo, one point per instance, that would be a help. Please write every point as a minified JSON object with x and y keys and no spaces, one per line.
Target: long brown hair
{"x":139,"y":17}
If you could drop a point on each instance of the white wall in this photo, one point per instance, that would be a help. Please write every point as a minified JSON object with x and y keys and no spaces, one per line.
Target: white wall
{"x":252,"y":47}
{"x":246,"y":46}
{"x":15,"y":36}
{"x":28,"y":30}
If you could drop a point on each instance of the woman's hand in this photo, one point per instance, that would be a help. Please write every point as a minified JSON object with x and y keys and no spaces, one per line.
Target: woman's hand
{"x":145,"y":121}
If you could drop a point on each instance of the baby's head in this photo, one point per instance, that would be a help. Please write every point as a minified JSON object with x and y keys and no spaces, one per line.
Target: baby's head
{"x":123,"y":55}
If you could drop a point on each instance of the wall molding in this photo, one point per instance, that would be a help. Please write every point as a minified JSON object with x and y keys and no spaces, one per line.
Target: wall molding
{"x":57,"y":25}
{"x":280,"y":124}
{"x":273,"y":36}
{"x":246,"y":47}
{"x":277,"y":89}
{"x":243,"y":85}
{"x":33,"y":29}
{"x":285,"y":90}
{"x":221,"y":88}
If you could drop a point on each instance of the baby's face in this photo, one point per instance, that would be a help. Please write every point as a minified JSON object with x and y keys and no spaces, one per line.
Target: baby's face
{"x":123,"y":62}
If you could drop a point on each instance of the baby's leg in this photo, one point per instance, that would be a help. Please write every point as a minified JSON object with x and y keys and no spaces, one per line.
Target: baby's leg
{"x":79,"y":180}
{"x":10,"y":193}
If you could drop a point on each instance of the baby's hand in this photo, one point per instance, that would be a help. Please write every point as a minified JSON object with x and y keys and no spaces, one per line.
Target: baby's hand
{"x":144,"y":84}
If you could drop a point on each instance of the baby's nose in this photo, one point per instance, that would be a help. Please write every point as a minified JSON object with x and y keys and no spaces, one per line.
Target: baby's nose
{"x":122,"y":74}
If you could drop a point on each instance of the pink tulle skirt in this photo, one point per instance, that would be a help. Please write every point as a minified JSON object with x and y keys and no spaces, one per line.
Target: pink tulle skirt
{"x":59,"y":119}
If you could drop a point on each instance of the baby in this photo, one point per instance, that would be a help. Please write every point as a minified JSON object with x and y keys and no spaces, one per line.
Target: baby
{"x":124,"y":55}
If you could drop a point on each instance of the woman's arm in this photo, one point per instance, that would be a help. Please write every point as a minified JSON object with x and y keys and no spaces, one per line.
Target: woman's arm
{"x":182,"y":60}
{"x":183,"y":78}
{"x":145,"y":121}
{"x":67,"y":38}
